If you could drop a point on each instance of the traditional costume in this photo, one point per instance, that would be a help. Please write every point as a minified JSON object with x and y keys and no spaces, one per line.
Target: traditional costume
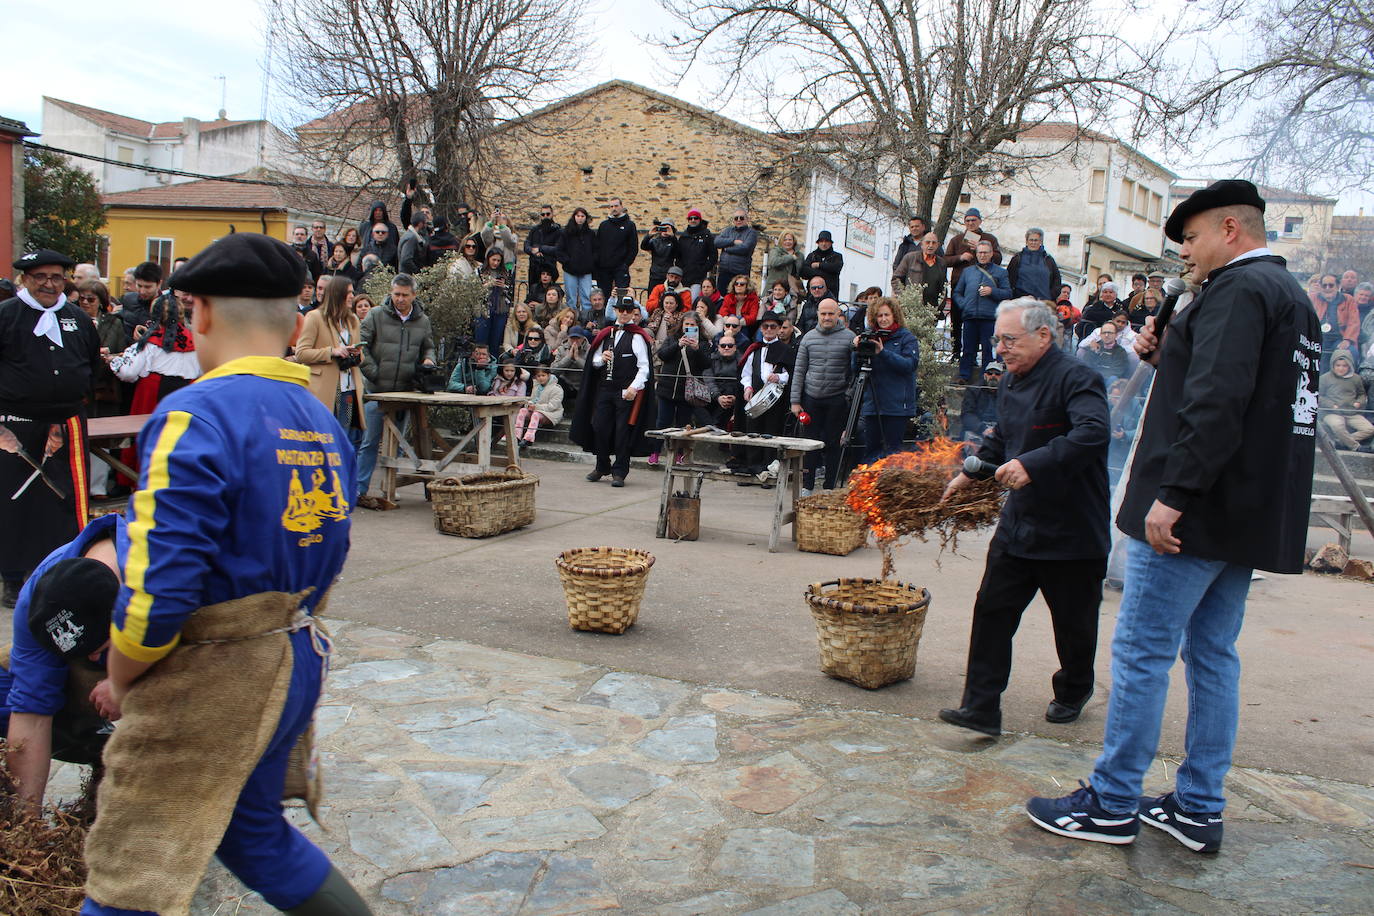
{"x":604,"y":423}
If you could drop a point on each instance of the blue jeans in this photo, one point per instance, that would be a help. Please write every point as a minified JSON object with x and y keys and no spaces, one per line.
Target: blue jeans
{"x":579,"y":289}
{"x":1171,"y":600}
{"x":883,"y":436}
{"x":372,"y":438}
{"x":977,"y":334}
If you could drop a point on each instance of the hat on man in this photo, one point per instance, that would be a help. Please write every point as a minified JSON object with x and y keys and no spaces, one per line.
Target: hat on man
{"x":42,"y":258}
{"x":972,"y":211}
{"x":69,"y":610}
{"x":1155,"y":273}
{"x":770,"y":318}
{"x":674,"y":271}
{"x":578,"y":331}
{"x":694,"y":212}
{"x":825,"y":236}
{"x":1230,"y":192}
{"x":244,"y":265}
{"x":667,"y":222}
{"x":626,"y":304}
{"x":995,"y":366}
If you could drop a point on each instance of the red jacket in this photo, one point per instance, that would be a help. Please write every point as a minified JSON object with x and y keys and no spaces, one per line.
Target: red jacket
{"x":748,"y":313}
{"x":1347,"y":318}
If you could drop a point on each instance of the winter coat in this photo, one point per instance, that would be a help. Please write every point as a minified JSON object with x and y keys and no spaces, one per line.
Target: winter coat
{"x":1034,"y":273}
{"x":1344,"y":395}
{"x":912,"y":268}
{"x":545,"y":236}
{"x":466,"y":373}
{"x":722,"y":374}
{"x":315,"y":348}
{"x":386,"y":250}
{"x":966,"y":293}
{"x":748,"y":310}
{"x":824,"y":360}
{"x":806,"y":313}
{"x":781,"y":265}
{"x":365,"y":225}
{"x":392,"y":348}
{"x":958,"y":245}
{"x":577,"y":251}
{"x":671,"y":382}
{"x":696,"y":253}
{"x":411,"y":253}
{"x":1229,"y":438}
{"x":617,"y":244}
{"x":548,"y":400}
{"x":736,"y":258}
{"x":778,"y":308}
{"x":501,"y":236}
{"x":891,"y":390}
{"x":663,"y":253}
{"x":656,"y":297}
{"x":831,"y":263}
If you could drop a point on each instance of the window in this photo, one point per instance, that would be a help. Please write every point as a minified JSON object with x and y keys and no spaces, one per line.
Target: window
{"x":124,"y":154}
{"x":1292,"y":227}
{"x":1097,"y":189}
{"x":1142,"y":201}
{"x":1127,"y":195}
{"x":966,"y":198}
{"x":160,"y":250}
{"x":1063,"y":240}
{"x":1004,"y":201}
{"x":1156,"y":208}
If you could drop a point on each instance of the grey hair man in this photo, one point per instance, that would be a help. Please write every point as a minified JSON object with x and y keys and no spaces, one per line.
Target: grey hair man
{"x":820,"y":388}
{"x":1049,"y":447}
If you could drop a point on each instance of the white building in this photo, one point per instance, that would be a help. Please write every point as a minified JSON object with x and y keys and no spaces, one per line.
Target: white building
{"x":219,"y":147}
{"x":1298,"y":226}
{"x":865,"y":227}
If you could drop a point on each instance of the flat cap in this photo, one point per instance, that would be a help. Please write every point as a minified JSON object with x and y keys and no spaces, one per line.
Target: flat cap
{"x":1231,"y":192}
{"x":70,"y":608}
{"x":673,"y":271}
{"x":42,"y":258}
{"x":244,"y":265}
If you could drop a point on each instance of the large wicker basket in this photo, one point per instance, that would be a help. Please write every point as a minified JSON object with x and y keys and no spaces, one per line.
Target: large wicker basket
{"x":826,"y":524}
{"x":868,"y":629}
{"x":603,"y":586}
{"x":481,"y":505}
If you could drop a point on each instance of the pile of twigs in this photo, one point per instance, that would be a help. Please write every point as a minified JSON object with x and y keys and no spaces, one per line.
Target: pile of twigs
{"x":42,"y":868}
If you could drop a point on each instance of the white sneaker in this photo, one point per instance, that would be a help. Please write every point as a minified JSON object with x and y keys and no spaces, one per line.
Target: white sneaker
{"x":805,"y":491}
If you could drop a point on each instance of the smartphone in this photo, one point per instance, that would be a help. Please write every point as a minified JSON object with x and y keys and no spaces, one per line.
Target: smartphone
{"x":691,"y":332}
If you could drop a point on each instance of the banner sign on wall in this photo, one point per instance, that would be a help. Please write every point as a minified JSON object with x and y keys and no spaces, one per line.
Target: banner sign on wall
{"x":860,"y":236}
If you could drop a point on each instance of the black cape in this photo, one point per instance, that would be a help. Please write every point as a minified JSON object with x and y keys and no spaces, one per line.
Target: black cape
{"x":593,"y":377}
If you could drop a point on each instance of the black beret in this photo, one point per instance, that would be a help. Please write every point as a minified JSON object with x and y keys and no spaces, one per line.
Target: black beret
{"x":42,"y":258}
{"x":1232,"y":192}
{"x":244,"y":265}
{"x":71,"y":605}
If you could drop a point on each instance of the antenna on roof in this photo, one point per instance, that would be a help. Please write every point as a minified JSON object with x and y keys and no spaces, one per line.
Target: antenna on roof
{"x":223,"y":96}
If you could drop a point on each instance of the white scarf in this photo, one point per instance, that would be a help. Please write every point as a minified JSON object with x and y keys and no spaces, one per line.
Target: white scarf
{"x":47,"y":322}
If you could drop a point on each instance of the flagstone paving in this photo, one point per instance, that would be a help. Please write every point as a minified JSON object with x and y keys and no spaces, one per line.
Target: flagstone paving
{"x":466,"y":780}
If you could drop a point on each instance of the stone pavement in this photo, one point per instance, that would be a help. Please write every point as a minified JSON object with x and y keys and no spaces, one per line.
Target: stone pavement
{"x":467,"y":780}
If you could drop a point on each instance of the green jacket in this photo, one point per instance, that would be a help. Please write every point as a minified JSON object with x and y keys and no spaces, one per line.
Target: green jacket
{"x":392,"y":348}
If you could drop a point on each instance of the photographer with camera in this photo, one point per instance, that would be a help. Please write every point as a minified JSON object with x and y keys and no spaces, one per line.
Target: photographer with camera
{"x":474,"y":371}
{"x":330,"y":343}
{"x":397,"y":340}
{"x":889,"y":399}
{"x":662,"y":245}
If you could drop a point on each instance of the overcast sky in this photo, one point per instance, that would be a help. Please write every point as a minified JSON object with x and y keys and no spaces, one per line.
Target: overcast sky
{"x":159,"y":60}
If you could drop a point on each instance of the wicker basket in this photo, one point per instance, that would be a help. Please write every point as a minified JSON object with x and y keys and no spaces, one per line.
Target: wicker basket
{"x":603,"y":586}
{"x":868,"y":629}
{"x":826,"y":524}
{"x":480,"y":505}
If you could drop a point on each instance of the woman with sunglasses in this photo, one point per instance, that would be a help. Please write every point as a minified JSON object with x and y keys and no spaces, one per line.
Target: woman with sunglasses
{"x":94,"y":299}
{"x":467,"y":264}
{"x":532,"y":350}
{"x":741,"y":300}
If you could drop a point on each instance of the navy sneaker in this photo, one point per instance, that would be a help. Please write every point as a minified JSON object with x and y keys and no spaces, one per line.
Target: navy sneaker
{"x":1199,"y":832}
{"x":1082,"y":817}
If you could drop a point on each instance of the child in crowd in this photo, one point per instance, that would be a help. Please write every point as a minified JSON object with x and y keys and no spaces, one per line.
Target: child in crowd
{"x":545,"y":407}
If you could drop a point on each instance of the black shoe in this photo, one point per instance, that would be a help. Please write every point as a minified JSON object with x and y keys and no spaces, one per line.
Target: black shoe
{"x":1061,"y":713}
{"x":617,"y":481}
{"x":966,"y":718}
{"x":594,"y":476}
{"x":1199,"y":832}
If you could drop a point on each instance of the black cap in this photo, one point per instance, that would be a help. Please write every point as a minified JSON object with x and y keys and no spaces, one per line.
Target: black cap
{"x":824,"y":236}
{"x":244,"y":265}
{"x":42,"y":258}
{"x":71,"y":605}
{"x":770,"y":317}
{"x":626,"y":303}
{"x":1232,"y":192}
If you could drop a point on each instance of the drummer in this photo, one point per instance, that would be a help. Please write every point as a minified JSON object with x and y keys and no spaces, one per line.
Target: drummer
{"x":765,"y":374}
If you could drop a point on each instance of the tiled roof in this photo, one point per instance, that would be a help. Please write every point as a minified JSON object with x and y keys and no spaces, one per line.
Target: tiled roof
{"x":293,"y":193}
{"x":135,"y":127}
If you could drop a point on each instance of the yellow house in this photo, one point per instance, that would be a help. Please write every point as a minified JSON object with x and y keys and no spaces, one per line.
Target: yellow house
{"x":179,"y":220}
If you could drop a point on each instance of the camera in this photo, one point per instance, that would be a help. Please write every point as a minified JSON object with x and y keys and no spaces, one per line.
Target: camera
{"x":351,"y":361}
{"x":429,"y":379}
{"x":868,"y":344}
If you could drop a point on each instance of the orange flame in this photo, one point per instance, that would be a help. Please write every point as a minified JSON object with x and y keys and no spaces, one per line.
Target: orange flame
{"x":941,"y":453}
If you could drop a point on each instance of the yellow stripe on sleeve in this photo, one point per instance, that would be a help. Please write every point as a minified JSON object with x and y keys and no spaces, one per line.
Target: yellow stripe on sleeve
{"x":130,"y":639}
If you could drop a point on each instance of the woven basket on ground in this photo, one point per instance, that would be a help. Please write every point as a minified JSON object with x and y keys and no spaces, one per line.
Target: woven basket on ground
{"x":603,"y":586}
{"x":826,"y":524}
{"x":481,"y":505}
{"x":868,"y":629}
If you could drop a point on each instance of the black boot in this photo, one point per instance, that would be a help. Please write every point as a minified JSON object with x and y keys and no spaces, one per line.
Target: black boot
{"x":336,"y":897}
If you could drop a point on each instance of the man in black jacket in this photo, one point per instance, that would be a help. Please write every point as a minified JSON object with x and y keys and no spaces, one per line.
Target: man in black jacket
{"x":824,"y":262}
{"x":696,"y":251}
{"x":136,"y":304}
{"x":912,"y":240}
{"x":1050,"y":448}
{"x":663,"y":250}
{"x":1220,"y":486}
{"x":542,"y":244}
{"x":617,"y":245}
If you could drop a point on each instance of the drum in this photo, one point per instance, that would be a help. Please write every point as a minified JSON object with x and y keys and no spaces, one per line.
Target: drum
{"x":763,"y":400}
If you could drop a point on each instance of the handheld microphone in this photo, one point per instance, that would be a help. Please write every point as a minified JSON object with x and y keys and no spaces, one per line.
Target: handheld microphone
{"x":1173,"y":289}
{"x":978,"y":469}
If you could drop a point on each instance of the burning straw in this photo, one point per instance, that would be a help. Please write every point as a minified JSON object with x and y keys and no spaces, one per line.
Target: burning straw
{"x":899,"y":496}
{"x":42,"y":868}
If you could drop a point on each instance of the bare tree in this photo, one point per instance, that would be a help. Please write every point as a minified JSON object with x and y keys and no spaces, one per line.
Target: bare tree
{"x":931,"y":91}
{"x":1308,"y":84}
{"x":406,"y":88}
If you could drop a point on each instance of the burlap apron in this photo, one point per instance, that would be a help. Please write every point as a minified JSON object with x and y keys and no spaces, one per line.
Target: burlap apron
{"x":193,"y":729}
